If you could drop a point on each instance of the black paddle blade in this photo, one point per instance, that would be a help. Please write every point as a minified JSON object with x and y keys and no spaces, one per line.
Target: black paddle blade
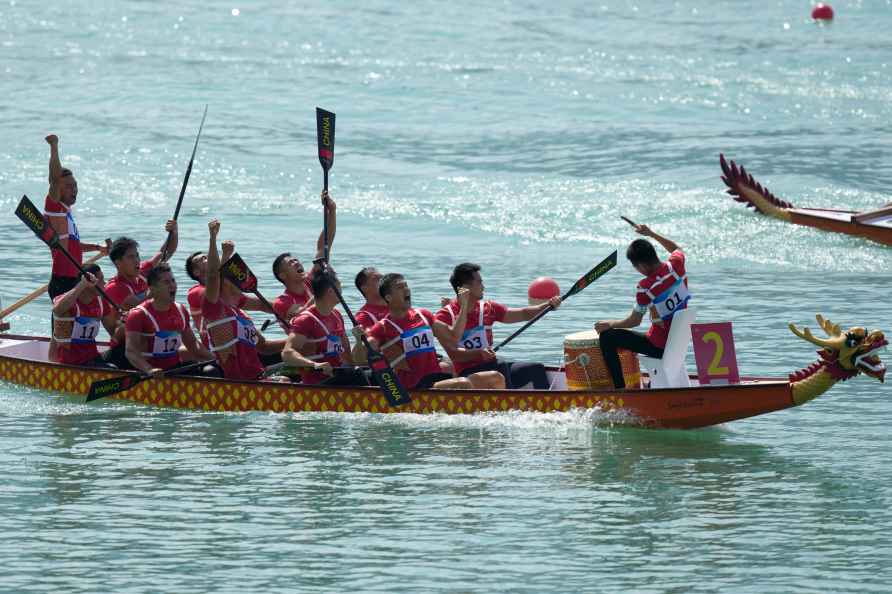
{"x":237,"y":272}
{"x":394,"y":391}
{"x":36,"y":221}
{"x":325,"y":135}
{"x":115,"y":385}
{"x":592,"y":275}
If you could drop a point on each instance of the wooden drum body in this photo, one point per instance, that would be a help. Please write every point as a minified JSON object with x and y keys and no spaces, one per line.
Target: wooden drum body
{"x":585,"y":367}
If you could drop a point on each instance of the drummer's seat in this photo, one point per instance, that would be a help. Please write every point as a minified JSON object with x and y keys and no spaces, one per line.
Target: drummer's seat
{"x":670,"y":371}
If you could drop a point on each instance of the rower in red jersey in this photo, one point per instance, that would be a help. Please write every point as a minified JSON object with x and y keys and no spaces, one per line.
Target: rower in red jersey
{"x":289,"y":271}
{"x":232,"y":337}
{"x":77,"y":316}
{"x":663,"y":292}
{"x":58,"y":207}
{"x":129,"y":287}
{"x":406,"y":338}
{"x":318,"y":344}
{"x":466,"y":331}
{"x":374,"y":308}
{"x":196,"y":269}
{"x":159,"y":327}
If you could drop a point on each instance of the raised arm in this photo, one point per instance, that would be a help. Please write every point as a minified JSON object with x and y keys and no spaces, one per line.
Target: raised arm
{"x":61,"y":307}
{"x":212,"y":281}
{"x":332,"y":216}
{"x":169,"y":247}
{"x":668,"y":245}
{"x":55,"y":173}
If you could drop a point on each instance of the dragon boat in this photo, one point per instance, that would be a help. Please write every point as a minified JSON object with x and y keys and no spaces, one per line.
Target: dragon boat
{"x":842,"y":355}
{"x":875,"y":225}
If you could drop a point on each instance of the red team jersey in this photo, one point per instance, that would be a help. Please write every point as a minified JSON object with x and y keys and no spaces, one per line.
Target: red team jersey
{"x":120,"y":288}
{"x":411,"y":339}
{"x":75,"y":332}
{"x":663,"y":292}
{"x":61,"y":265}
{"x":478,"y":329}
{"x":323,"y":334}
{"x":284,"y":301}
{"x":233,"y":340}
{"x":369,"y":315}
{"x":162,"y":332}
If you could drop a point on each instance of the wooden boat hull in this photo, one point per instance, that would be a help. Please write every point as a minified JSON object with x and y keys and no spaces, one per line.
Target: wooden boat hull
{"x":673,"y":408}
{"x":842,"y":221}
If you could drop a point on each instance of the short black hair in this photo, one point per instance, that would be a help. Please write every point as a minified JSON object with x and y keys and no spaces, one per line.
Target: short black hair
{"x":387,"y":282}
{"x":65,"y":172}
{"x":322,"y":281}
{"x":641,"y":251}
{"x":156,"y":272}
{"x":190,"y":266}
{"x":278,"y":262}
{"x":120,"y":246}
{"x":462,"y":274}
{"x":93,"y":269}
{"x":362,"y":276}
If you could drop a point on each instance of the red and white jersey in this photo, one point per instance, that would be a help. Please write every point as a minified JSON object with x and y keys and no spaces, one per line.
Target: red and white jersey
{"x":410,"y":339}
{"x":286,"y":300}
{"x":663,"y":293}
{"x":194,"y":297}
{"x":369,"y":314}
{"x":75,"y":332}
{"x":478,"y":329}
{"x":61,"y":265}
{"x":162,"y":332}
{"x":120,"y":288}
{"x":323,"y":336}
{"x":232,"y":338}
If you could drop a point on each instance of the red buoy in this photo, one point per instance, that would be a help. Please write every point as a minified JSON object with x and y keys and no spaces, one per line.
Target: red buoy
{"x":542,"y":289}
{"x":822,"y":12}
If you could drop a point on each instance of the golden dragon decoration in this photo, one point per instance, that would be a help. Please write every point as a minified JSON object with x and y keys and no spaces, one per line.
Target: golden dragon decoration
{"x":843,"y":355}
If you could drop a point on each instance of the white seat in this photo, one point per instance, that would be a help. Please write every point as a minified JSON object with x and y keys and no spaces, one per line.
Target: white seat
{"x":670,"y":371}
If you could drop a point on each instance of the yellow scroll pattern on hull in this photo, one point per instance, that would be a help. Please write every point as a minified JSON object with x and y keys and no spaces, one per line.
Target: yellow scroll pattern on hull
{"x":219,"y":395}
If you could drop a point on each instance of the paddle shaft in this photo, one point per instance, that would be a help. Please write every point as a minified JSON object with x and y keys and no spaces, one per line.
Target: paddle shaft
{"x":40,"y":291}
{"x":176,"y":212}
{"x":522,"y":328}
{"x":141,"y":378}
{"x":629,"y":221}
{"x":267,"y":304}
{"x":325,"y":215}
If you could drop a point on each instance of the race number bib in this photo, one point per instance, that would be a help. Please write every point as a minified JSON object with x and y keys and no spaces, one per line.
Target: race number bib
{"x":418,"y":340}
{"x":84,"y":330}
{"x":166,"y":343}
{"x":247,"y":333}
{"x":671,"y":300}
{"x":333,"y":346}
{"x":475,"y":339}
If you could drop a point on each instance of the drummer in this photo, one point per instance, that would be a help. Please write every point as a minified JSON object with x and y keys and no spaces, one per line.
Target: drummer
{"x":466,"y":332}
{"x":663,"y":291}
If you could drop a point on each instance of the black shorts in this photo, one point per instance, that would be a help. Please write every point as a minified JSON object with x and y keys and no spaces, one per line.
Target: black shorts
{"x":428,"y":381}
{"x":59,"y":285}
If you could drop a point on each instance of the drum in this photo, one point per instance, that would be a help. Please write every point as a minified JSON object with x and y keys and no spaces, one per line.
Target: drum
{"x":585,"y":367}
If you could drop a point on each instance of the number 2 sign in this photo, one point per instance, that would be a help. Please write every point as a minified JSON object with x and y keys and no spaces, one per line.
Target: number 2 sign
{"x":715,"y":354}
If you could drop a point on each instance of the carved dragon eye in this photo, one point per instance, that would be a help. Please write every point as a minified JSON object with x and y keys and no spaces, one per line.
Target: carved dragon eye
{"x":854,"y":337}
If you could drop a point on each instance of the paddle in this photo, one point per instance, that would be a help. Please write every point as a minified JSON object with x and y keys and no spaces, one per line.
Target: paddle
{"x":237,"y":272}
{"x":586,"y":279}
{"x":629,"y":221}
{"x":116,"y":385}
{"x":34,"y":219}
{"x":388,"y":381}
{"x":176,"y":213}
{"x":325,"y":137}
{"x":40,"y":291}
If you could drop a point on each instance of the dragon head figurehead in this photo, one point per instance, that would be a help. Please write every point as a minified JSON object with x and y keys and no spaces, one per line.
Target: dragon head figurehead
{"x":843,"y":355}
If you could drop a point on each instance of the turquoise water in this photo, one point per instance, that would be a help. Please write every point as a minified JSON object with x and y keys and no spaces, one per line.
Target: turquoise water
{"x":512,"y":134}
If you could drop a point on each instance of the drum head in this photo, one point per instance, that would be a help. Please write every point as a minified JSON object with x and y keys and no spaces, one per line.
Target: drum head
{"x":584,"y":338}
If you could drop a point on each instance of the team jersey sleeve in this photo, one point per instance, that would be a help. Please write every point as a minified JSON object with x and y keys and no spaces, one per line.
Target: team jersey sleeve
{"x":301,"y":325}
{"x":498,"y":311}
{"x":677,"y":261}
{"x":145,"y":266}
{"x":378,"y":332}
{"x":281,"y":306}
{"x":444,"y":315}
{"x":364,"y":319}
{"x":117,"y":291}
{"x":136,"y":321}
{"x":642,"y":301}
